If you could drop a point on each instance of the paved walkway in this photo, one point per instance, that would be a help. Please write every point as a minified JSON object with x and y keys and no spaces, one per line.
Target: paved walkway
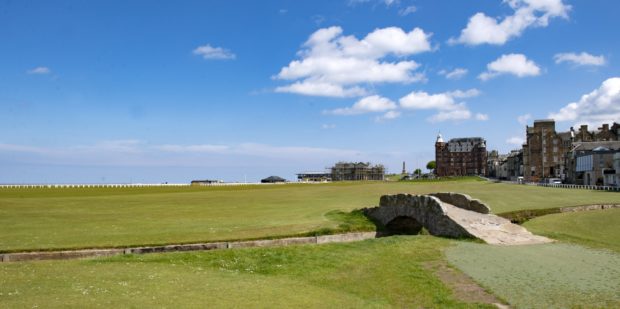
{"x":493,"y":229}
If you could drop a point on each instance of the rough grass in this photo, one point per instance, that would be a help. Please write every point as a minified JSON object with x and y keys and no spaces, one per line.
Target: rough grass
{"x":381,"y":273}
{"x":543,"y":276}
{"x":41,"y":219}
{"x":598,"y":228}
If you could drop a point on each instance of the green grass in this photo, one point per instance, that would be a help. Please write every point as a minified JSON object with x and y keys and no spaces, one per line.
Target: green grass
{"x":543,"y":276}
{"x":378,"y":273}
{"x":598,"y":229}
{"x":42,"y":219}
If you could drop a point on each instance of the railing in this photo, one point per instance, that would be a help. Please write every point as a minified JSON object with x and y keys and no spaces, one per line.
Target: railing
{"x":132,"y":185}
{"x":107,"y":185}
{"x":561,"y":185}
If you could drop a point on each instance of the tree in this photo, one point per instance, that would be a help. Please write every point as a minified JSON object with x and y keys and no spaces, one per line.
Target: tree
{"x":417,"y":171}
{"x":431,"y":165}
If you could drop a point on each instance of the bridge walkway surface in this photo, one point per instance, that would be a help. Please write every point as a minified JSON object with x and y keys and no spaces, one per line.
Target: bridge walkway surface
{"x":492,"y":229}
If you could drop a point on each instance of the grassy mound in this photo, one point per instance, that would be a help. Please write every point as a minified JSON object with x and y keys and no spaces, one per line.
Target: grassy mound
{"x":598,"y":229}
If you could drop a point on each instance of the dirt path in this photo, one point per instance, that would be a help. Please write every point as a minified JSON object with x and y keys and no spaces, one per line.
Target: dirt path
{"x":464,"y":288}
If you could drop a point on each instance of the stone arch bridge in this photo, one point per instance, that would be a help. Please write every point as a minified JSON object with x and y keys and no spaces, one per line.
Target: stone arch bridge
{"x":450,"y":215}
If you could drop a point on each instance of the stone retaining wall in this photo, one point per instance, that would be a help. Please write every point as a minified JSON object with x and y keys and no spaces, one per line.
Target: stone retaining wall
{"x":77,"y":254}
{"x":589,"y":207}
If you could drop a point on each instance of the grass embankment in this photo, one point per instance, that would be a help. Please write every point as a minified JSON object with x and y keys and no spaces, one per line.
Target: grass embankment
{"x":44,"y":219}
{"x":597,"y":229}
{"x":543,"y":276}
{"x":381,"y":273}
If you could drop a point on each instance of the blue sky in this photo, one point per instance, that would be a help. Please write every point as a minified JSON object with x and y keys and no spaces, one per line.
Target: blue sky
{"x":146,"y":91}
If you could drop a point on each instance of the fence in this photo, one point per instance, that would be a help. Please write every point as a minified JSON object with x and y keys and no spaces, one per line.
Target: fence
{"x":125,"y":185}
{"x":565,"y":186}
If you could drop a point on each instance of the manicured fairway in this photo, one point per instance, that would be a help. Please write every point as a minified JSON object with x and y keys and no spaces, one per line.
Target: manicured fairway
{"x":378,"y":273}
{"x":543,"y":276}
{"x":599,"y":229}
{"x":33,"y":219}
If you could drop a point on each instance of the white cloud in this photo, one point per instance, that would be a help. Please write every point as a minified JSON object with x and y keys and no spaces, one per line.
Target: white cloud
{"x":40,"y":71}
{"x":387,"y":3}
{"x":118,"y":146}
{"x":388,"y":116}
{"x":464,"y":94}
{"x":322,"y":89}
{"x":523,"y":119}
{"x":445,"y":104}
{"x":328,"y":126}
{"x":332,"y":64}
{"x":23,"y":148}
{"x":515,"y":64}
{"x":599,"y":106}
{"x":457,"y":73}
{"x":424,"y":100}
{"x":318,"y":19}
{"x":457,"y":112}
{"x":205,"y":148}
{"x":482,"y":29}
{"x":515,"y":140}
{"x":209,"y":52}
{"x":369,"y":104}
{"x":408,"y":10}
{"x":580,"y":59}
{"x":139,"y":153}
{"x":482,"y":117}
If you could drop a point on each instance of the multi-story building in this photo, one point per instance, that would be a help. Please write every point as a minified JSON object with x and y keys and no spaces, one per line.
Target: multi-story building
{"x":357,"y":171}
{"x":514,"y":164}
{"x":614,"y":179}
{"x":460,"y":156}
{"x":592,"y":163}
{"x":544,"y":151}
{"x":492,"y":163}
{"x":548,"y":154}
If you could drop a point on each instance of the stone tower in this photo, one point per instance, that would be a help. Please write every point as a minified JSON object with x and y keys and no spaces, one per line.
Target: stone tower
{"x":440,"y":147}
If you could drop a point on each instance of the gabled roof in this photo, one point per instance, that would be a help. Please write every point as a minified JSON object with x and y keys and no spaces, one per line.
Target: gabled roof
{"x":274,"y":178}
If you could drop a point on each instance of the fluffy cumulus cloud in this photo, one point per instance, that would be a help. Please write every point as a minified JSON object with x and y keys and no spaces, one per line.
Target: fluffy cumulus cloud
{"x":515,"y":64}
{"x":39,"y":71}
{"x":515,"y":140}
{"x":444,"y":103}
{"x":216,"y":53}
{"x":457,"y":73}
{"x":482,"y":29}
{"x":335,"y":65}
{"x":599,"y":106}
{"x":583,"y":59}
{"x":389,"y":115}
{"x":368,"y":104}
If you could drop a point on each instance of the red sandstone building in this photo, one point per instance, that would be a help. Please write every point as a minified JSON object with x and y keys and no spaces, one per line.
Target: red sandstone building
{"x":460,"y":156}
